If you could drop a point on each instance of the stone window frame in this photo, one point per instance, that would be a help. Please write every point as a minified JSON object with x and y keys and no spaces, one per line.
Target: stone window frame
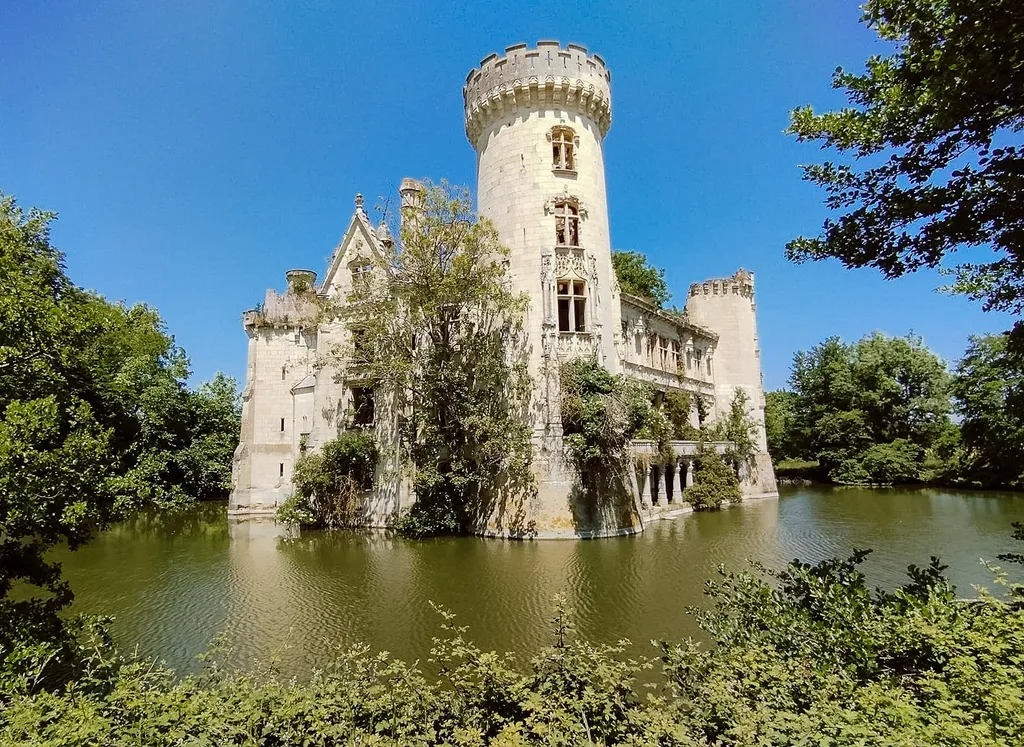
{"x":663,"y":351}
{"x":568,"y":217}
{"x":359,"y":267}
{"x":358,"y":344}
{"x":565,"y":145}
{"x":572,"y":295}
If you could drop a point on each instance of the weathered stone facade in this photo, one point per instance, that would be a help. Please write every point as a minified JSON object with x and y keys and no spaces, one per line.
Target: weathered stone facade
{"x":537,"y":118}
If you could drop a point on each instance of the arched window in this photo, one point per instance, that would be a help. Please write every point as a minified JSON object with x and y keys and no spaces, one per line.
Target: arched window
{"x":563,"y":149}
{"x":567,"y":224}
{"x":572,"y":306}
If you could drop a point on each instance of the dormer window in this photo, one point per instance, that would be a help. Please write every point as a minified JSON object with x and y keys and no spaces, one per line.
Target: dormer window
{"x":563,"y":149}
{"x":567,"y":224}
{"x":572,"y":306}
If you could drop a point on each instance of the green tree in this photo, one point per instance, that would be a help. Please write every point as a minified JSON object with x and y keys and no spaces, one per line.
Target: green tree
{"x":714,"y":482}
{"x":602,"y":413}
{"x":778,"y":423}
{"x":329,"y":483}
{"x":95,"y":419}
{"x":988,"y":392}
{"x":850,"y":399}
{"x":932,"y":144}
{"x":638,"y":277}
{"x":439,"y":333}
{"x":58,"y":479}
{"x":215,"y":413}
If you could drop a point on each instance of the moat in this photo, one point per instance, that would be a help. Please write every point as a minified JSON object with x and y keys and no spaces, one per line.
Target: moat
{"x":174,"y":582}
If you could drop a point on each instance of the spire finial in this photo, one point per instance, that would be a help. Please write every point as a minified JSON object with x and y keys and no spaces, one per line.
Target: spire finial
{"x":359,"y":202}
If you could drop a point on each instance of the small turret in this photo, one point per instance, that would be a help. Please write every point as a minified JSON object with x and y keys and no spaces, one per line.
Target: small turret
{"x":300,"y":281}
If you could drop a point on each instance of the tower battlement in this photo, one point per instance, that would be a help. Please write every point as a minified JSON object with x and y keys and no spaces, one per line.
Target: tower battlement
{"x":547,"y":75}
{"x":740,"y":284}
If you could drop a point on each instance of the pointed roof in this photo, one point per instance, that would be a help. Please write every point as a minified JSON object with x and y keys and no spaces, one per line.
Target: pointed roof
{"x":360,"y":241}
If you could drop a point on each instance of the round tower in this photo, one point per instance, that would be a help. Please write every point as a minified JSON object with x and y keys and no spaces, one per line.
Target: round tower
{"x":537,"y":118}
{"x":726,"y":305}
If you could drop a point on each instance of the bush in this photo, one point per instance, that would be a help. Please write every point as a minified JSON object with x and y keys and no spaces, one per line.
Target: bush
{"x":433,"y":514}
{"x":797,"y":470}
{"x":330,"y":482}
{"x":898,"y":462}
{"x":714,"y":482}
{"x":602,"y":413}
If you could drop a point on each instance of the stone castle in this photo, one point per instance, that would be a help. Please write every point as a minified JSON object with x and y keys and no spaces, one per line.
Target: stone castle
{"x":537,"y":118}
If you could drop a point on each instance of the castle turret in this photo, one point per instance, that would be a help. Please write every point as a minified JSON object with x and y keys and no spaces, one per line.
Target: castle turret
{"x":726,"y":306}
{"x":537,"y":118}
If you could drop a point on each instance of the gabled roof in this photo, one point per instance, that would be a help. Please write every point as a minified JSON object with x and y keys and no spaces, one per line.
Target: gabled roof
{"x":359,"y":241}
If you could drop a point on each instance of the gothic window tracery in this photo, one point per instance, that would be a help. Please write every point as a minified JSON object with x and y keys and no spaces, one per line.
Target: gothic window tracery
{"x":567,"y":223}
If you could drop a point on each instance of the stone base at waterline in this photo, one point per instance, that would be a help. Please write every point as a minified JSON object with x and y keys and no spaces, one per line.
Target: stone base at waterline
{"x":673,"y":510}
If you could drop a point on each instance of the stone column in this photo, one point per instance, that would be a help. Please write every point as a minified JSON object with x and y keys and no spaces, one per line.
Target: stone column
{"x":689,"y":473}
{"x":645,"y":494}
{"x":677,"y":487}
{"x":662,"y":472}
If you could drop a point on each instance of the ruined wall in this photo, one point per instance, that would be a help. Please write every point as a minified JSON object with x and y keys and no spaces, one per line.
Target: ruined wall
{"x":278,"y":394}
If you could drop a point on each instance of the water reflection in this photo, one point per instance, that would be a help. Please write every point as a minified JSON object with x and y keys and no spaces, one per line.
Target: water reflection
{"x":176,"y":581}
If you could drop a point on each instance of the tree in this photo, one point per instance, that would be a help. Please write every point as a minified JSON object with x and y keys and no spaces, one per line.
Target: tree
{"x":988,"y":392}
{"x":778,"y":423}
{"x":58,"y":479}
{"x":329,"y":482}
{"x":638,"y":278}
{"x":849,"y":400}
{"x":933,"y":139}
{"x":215,"y":413}
{"x":95,"y":418}
{"x":714,"y":482}
{"x":439,"y":333}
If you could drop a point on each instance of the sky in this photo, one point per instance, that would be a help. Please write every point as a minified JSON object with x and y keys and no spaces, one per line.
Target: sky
{"x":196,"y":150}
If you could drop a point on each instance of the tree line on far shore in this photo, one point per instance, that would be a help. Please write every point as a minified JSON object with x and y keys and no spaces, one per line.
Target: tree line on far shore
{"x":887,"y":410}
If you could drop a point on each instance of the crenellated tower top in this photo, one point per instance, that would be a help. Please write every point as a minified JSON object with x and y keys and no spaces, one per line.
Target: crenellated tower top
{"x":546,"y":76}
{"x":740,"y":284}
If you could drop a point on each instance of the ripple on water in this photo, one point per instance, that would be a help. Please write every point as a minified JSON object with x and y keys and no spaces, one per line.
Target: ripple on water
{"x":174,"y":585}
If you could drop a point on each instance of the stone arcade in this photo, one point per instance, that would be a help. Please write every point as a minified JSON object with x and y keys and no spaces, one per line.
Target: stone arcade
{"x":537,"y":118}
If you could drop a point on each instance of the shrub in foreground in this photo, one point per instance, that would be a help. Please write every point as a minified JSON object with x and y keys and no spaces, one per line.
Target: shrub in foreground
{"x":807,"y":656}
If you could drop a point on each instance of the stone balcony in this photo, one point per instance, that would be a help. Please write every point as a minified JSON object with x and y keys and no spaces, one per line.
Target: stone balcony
{"x":662,"y":479}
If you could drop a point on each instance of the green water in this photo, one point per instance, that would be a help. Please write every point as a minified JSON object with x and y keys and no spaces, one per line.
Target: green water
{"x":173,"y":583}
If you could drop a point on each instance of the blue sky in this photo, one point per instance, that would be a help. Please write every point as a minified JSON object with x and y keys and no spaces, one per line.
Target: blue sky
{"x":196,"y":150}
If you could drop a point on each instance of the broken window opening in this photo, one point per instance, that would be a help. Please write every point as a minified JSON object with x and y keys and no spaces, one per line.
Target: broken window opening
{"x":563,"y":148}
{"x":363,"y":406}
{"x":567,"y":224}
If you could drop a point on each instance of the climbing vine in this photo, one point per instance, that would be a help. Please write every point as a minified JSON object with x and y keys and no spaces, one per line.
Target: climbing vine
{"x":602,"y":413}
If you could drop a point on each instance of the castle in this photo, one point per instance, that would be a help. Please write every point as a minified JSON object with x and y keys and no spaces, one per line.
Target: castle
{"x":537,"y":118}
